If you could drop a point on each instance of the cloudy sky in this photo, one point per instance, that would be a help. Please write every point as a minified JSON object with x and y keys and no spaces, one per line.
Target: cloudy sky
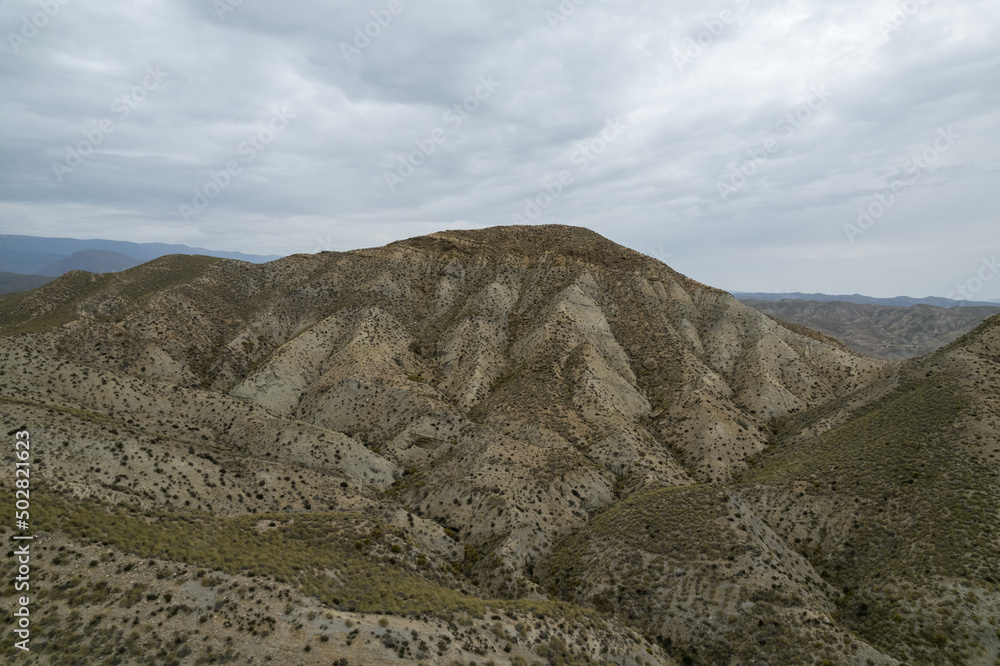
{"x":760,"y":146}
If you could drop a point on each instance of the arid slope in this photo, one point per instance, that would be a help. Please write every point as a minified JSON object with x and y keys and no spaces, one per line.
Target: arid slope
{"x":512,"y":427}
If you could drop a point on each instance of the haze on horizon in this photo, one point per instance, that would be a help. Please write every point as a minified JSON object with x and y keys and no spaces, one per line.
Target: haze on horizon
{"x":754,"y":146}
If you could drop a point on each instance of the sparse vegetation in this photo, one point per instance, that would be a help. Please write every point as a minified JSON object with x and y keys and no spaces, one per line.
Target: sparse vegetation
{"x":518,"y":445}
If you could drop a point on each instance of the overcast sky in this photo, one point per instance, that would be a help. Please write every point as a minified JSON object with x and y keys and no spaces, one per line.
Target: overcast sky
{"x":751,"y":145}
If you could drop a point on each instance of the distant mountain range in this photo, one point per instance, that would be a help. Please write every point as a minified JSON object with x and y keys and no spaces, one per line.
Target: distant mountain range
{"x":903,"y":301}
{"x":888,"y":332}
{"x":34,"y":255}
{"x":95,"y":261}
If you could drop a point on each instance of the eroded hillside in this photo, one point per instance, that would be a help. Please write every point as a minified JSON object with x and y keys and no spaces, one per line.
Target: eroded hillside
{"x":523,"y":426}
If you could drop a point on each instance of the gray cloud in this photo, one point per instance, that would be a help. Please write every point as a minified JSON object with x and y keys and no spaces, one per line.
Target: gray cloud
{"x":701,"y":90}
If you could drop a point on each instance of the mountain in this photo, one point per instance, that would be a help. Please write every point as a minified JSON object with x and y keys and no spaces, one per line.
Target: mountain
{"x":518,"y":445}
{"x":11,"y":283}
{"x":35,"y":254}
{"x":94,"y":261}
{"x":881,"y":331}
{"x":901,"y":301}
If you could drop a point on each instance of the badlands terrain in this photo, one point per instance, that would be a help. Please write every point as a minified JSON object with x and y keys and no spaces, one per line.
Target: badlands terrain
{"x":881,"y":331}
{"x":514,"y":445}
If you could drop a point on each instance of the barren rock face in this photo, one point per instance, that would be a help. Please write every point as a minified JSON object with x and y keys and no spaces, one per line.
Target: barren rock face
{"x":515,"y":415}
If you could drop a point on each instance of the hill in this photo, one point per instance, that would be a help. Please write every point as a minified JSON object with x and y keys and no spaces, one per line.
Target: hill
{"x":516,"y":444}
{"x":881,"y":331}
{"x":902,"y":490}
{"x":11,"y":283}
{"x":874,"y":512}
{"x":94,"y":261}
